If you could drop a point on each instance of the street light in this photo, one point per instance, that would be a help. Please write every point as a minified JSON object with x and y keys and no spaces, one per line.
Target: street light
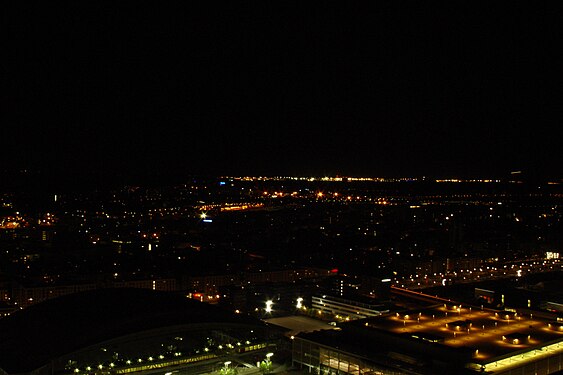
{"x":266,"y":364}
{"x":269,"y":306}
{"x":226,"y":370}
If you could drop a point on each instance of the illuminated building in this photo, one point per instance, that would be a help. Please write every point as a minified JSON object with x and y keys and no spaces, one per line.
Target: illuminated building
{"x":436,"y":340}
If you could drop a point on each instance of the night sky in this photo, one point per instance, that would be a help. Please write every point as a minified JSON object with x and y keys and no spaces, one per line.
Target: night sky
{"x":383,"y":88}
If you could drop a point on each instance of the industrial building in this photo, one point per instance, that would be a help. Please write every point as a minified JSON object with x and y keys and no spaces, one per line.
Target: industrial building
{"x":442,"y":339}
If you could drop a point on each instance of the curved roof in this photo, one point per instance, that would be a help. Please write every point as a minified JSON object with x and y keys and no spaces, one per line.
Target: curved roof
{"x":32,"y":337}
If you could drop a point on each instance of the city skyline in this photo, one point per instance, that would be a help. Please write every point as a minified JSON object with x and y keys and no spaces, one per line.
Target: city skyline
{"x":359,"y":254}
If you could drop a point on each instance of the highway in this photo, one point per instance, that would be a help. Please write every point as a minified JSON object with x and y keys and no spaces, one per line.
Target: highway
{"x":490,"y":271}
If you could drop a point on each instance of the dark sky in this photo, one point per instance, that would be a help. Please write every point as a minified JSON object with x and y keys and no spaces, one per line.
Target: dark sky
{"x":381,"y":88}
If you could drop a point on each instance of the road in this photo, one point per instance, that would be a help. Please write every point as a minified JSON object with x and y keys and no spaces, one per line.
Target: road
{"x":491,"y":271}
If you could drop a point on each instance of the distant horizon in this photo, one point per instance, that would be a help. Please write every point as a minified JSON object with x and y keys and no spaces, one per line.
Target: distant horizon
{"x":38,"y":178}
{"x":396,"y":175}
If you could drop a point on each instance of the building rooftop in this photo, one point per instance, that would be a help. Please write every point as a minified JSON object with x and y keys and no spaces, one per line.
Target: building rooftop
{"x":296,"y":324}
{"x":471,"y":337}
{"x":482,"y":332}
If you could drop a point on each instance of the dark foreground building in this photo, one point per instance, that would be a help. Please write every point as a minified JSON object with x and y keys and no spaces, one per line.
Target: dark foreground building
{"x":119,"y":331}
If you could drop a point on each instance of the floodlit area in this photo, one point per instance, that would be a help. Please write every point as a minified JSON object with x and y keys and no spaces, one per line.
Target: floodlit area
{"x":500,"y":339}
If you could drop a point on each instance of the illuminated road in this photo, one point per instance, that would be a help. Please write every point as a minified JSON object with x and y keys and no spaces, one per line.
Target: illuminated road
{"x":494,"y":271}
